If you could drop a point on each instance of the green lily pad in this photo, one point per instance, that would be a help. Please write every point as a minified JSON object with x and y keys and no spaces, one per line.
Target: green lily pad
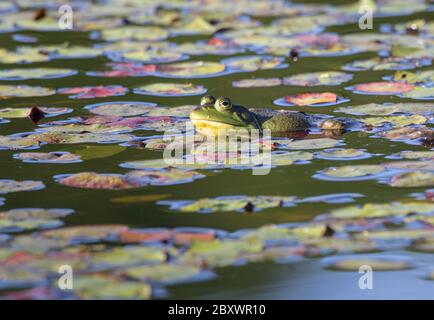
{"x":411,"y":155}
{"x":231,"y":203}
{"x":25,"y":112}
{"x":139,"y":33}
{"x":23,"y":91}
{"x":324,"y":78}
{"x":98,"y":152}
{"x":72,"y":138}
{"x":170,"y":89}
{"x":35,"y":73}
{"x":47,"y":157}
{"x":353,"y":171}
{"x":413,"y":179}
{"x":7,"y":186}
{"x":127,"y":256}
{"x":396,"y":121}
{"x":375,"y":109}
{"x":376,"y":262}
{"x":165,"y":273}
{"x":100,"y":286}
{"x":257,"y":82}
{"x":121,"y":109}
{"x":190,"y":69}
{"x":85,"y":233}
{"x":419,"y":93}
{"x":308,"y":144}
{"x":16,"y":143}
{"x":376,"y":210}
{"x":341,"y":154}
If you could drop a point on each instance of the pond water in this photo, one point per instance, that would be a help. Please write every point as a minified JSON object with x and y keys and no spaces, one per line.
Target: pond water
{"x":283,"y":254}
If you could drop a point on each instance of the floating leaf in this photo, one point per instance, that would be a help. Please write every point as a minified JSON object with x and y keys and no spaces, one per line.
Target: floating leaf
{"x":230,"y":203}
{"x":71,"y":138}
{"x":373,"y":210}
{"x":47,"y":157}
{"x":190,"y":69}
{"x":24,"y":91}
{"x":35,"y":73}
{"x":383,"y":88}
{"x":27,"y":112}
{"x":170,"y":89}
{"x":105,"y":287}
{"x":15,"y":143}
{"x":330,"y":78}
{"x":93,"y":180}
{"x":307,"y":144}
{"x":413,"y":179}
{"x":376,"y":109}
{"x":7,"y":186}
{"x":140,"y":33}
{"x":253,"y":63}
{"x":93,"y":92}
{"x":308,"y":99}
{"x":342,"y":154}
{"x":122,"y":109}
{"x":376,"y":262}
{"x":354,"y":171}
{"x":166,"y":273}
{"x":415,"y":155}
{"x":98,"y":152}
{"x":396,"y":121}
{"x":257,"y":82}
{"x":419,"y":93}
{"x":86,"y":234}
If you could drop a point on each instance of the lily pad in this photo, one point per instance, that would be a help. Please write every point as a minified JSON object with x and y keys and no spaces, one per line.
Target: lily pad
{"x":35,"y":73}
{"x":8,"y":186}
{"x":308,"y":144}
{"x":170,"y":89}
{"x":257,"y":82}
{"x":376,"y":210}
{"x":230,"y":203}
{"x":93,"y":180}
{"x":413,"y":179}
{"x":166,"y":273}
{"x":93,"y":92}
{"x":419,"y":93}
{"x":396,"y":121}
{"x":376,"y":262}
{"x":122,"y":109}
{"x":100,"y":286}
{"x":342,"y":154}
{"x":190,"y":69}
{"x":376,"y":109}
{"x":253,"y":63}
{"x":382,"y":88}
{"x":352,"y":172}
{"x":47,"y":157}
{"x":23,"y":91}
{"x":330,"y":78}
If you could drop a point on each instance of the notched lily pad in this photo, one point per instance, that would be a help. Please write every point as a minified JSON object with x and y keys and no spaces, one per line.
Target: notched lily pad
{"x":121,"y":109}
{"x":47,"y":157}
{"x":7,"y":186}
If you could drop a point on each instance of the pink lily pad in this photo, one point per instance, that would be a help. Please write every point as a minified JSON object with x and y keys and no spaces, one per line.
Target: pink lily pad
{"x":383,"y":88}
{"x":93,"y":92}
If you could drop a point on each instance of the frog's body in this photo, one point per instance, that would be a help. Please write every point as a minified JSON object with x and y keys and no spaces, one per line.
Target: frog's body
{"x":210,"y":118}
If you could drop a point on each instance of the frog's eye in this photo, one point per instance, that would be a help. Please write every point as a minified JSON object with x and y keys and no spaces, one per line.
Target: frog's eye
{"x":207,"y":100}
{"x":223,"y":104}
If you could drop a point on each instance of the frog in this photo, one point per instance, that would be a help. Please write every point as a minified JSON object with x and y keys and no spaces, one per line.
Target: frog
{"x":216,"y":114}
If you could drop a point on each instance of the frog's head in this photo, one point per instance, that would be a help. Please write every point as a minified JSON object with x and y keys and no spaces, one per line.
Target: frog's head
{"x":405,"y":76}
{"x":209,"y":118}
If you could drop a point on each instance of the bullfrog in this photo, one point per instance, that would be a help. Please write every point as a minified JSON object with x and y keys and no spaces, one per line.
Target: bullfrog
{"x":215,"y":114}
